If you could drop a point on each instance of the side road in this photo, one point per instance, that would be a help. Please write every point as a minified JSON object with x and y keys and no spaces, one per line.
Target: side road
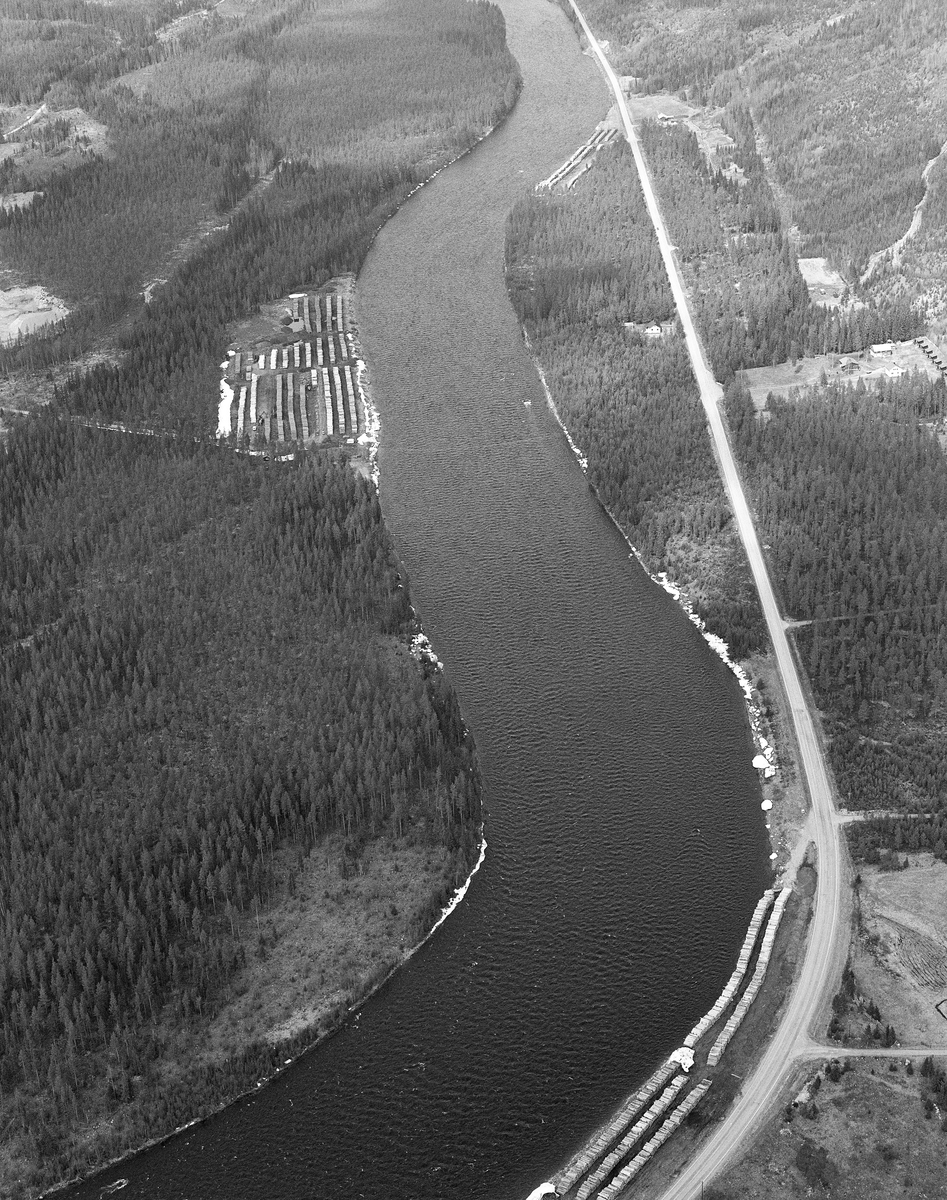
{"x":829,"y":929}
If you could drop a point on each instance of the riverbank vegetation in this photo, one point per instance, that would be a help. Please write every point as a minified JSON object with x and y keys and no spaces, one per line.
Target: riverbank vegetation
{"x":586,"y":279}
{"x":847,"y":481}
{"x":208,"y":695}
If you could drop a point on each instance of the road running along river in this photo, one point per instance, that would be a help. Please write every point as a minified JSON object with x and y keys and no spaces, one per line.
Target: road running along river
{"x":626,"y":846}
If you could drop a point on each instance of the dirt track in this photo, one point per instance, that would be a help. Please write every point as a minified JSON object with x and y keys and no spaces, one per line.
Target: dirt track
{"x":829,"y":931}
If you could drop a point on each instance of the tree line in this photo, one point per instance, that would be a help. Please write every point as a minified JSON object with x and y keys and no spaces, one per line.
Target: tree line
{"x":751,"y":301}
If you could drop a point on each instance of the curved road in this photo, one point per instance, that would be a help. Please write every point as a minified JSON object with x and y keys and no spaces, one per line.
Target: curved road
{"x":829,"y":925}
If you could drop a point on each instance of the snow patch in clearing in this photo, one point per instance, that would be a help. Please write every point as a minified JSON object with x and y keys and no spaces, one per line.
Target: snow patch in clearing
{"x":223,"y":409}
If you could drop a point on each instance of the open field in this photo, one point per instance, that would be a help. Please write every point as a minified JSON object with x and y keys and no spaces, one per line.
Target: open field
{"x":825,"y":284}
{"x":56,"y":140}
{"x":781,"y":379}
{"x":341,"y":923}
{"x":704,"y":123}
{"x":900,"y":950}
{"x":11,"y":200}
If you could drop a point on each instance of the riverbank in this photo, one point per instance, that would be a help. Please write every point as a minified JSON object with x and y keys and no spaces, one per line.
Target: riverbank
{"x":342,"y":924}
{"x":758,"y":711}
{"x":345,"y":916}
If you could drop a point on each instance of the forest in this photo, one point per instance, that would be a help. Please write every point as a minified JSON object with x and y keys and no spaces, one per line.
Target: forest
{"x":203,"y":654}
{"x":849,"y":106}
{"x":849,"y":485}
{"x":750,"y":300}
{"x":196,"y":673}
{"x":586,"y":282}
{"x":193,"y":140}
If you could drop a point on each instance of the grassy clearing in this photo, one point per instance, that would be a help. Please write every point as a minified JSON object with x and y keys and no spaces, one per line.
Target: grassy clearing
{"x":866,"y":1139}
{"x":338,"y":925}
{"x":825,"y":284}
{"x":782,"y":378}
{"x":899,"y":948}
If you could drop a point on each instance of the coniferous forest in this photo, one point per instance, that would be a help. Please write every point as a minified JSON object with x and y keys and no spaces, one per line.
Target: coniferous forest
{"x":850,"y":488}
{"x":204,"y":655}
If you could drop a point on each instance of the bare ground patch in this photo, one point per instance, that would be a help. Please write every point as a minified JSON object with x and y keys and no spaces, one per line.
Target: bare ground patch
{"x":338,"y":925}
{"x":900,"y":947}
{"x":864,"y":1138}
{"x":825,"y":285}
{"x":23,"y":392}
{"x":26,"y":308}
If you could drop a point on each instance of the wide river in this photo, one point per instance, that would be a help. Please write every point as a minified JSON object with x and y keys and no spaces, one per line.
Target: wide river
{"x":626,"y":845}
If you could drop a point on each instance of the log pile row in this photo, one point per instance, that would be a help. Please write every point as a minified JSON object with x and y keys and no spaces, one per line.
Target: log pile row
{"x":632,"y":1137}
{"x":647,"y":1151}
{"x":584,"y":153}
{"x":606,"y":1137}
{"x":753,"y":987}
{"x":733,"y":983}
{"x":304,"y":390}
{"x":615,"y":1141}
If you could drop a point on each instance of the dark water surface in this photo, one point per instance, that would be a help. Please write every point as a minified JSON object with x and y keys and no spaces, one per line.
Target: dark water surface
{"x":626,"y":846}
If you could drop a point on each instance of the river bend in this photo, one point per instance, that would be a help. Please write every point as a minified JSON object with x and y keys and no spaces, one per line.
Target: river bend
{"x":626,"y":845}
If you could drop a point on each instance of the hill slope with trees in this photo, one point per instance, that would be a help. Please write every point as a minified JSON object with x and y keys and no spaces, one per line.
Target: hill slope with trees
{"x":206,"y":673}
{"x":849,"y":104}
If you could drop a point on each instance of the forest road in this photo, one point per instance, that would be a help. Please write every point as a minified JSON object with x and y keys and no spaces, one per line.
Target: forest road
{"x":828,"y":932}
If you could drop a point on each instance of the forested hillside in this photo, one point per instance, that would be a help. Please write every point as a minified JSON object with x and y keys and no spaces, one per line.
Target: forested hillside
{"x":359,"y":109}
{"x":849,"y":102}
{"x":750,"y":300}
{"x":586,"y":278}
{"x":204,"y":656}
{"x":850,"y":488}
{"x":196,"y":673}
{"x":832,"y":117}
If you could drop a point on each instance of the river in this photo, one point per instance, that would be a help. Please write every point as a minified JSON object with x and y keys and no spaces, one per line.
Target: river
{"x":626,"y":846}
